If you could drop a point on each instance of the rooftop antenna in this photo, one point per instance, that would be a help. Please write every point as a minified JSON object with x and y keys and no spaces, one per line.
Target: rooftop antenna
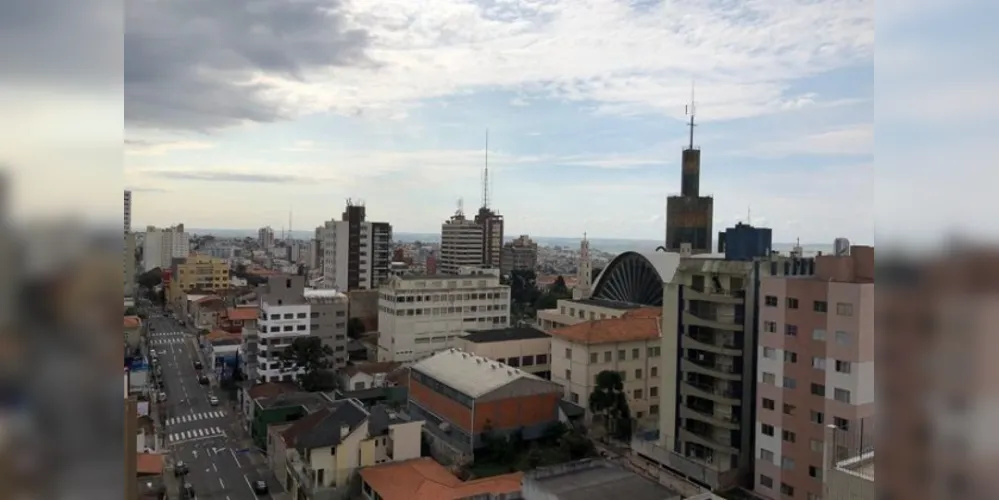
{"x":461,"y":207}
{"x":691,"y":110}
{"x":749,"y":215}
{"x":485,"y":176}
{"x":289,"y":224}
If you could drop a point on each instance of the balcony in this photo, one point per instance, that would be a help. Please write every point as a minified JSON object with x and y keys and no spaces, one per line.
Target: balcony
{"x":716,"y":295}
{"x":707,"y":441}
{"x":708,"y":344}
{"x":728,"y":322}
{"x":713,"y":369}
{"x":729,"y":422}
{"x":711,"y":393}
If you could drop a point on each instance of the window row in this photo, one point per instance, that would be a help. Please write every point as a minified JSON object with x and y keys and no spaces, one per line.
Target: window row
{"x":820,"y":306}
{"x":841,"y":337}
{"x":841,"y":395}
{"x":791,"y":357}
{"x":622,"y":354}
{"x":444,"y":297}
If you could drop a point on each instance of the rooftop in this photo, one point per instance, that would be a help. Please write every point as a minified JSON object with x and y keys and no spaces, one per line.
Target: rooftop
{"x":324,"y":427}
{"x":242,"y":313}
{"x":468,"y":373}
{"x":862,"y":465}
{"x":312,"y":401}
{"x":149,"y":464}
{"x":132,"y":322}
{"x":636,"y":325}
{"x":323,"y":293}
{"x":505,"y":334}
{"x":608,"y":304}
{"x":223,"y":337}
{"x":371,"y":368}
{"x":594,"y":479}
{"x":425,"y":479}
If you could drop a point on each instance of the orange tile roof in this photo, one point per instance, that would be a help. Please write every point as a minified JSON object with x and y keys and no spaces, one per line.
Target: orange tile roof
{"x":242,"y":313}
{"x":425,"y":479}
{"x":149,"y":463}
{"x":209,"y":298}
{"x":634,"y":325}
{"x":132,"y":322}
{"x":222,"y":335}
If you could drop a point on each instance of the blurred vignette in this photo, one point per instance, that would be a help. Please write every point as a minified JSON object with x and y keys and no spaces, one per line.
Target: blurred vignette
{"x":61,"y":122}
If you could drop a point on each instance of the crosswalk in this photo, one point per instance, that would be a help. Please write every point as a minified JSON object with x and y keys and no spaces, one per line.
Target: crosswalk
{"x":194,"y":417}
{"x":204,"y":433}
{"x":165,"y":341}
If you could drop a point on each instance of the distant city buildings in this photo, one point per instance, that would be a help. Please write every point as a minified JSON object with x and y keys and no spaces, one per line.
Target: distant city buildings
{"x":520,"y":254}
{"x":161,"y":246}
{"x":355,"y":252}
{"x":461,"y":243}
{"x":128,"y":257}
{"x":265,"y":238}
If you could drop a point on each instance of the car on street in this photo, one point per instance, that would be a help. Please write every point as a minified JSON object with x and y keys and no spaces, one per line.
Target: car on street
{"x":198,"y":365}
{"x":180,"y":468}
{"x":188,"y":492}
{"x":203,"y":379}
{"x":162,"y":396}
{"x":214,"y":401}
{"x":260,"y":487}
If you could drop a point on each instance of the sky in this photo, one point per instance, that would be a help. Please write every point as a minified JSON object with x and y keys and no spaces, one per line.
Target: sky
{"x":235,"y":113}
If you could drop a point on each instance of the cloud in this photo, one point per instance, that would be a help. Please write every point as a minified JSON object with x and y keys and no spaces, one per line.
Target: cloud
{"x":853,"y":140}
{"x":198,"y":65}
{"x":139,"y":147}
{"x":224,"y":176}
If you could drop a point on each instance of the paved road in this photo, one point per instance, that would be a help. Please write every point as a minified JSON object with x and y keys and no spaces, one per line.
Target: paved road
{"x":207,"y":438}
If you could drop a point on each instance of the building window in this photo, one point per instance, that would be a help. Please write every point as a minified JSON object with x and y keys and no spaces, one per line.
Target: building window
{"x":637,"y":394}
{"x":820,"y":306}
{"x":593,"y":358}
{"x":819,"y":363}
{"x":841,"y":423}
{"x":654,"y":372}
{"x":769,"y":352}
{"x":768,"y":404}
{"x":541,"y":359}
{"x":568,"y":353}
{"x":653,"y":392}
{"x":769,"y":378}
{"x":638,"y":374}
{"x":841,"y":395}
{"x":621,"y":355}
{"x":786,"y":489}
{"x":817,"y":417}
{"x":636,"y":353}
{"x":790,"y":357}
{"x":819,"y":390}
{"x":816,"y":445}
{"x":766,"y":481}
{"x":844,"y":309}
{"x":574,"y":397}
{"x":787,"y":463}
{"x":818,"y":334}
{"x":608,"y":356}
{"x":654,"y":409}
{"x":568,"y":375}
{"x":767,"y":429}
{"x":813,"y":471}
{"x":770,"y":301}
{"x":790,"y":383}
{"x":789,"y":409}
{"x":528,"y":360}
{"x":766,"y":455}
{"x":843,"y":366}
{"x":514,"y":362}
{"x":788,"y":436}
{"x":791,"y":330}
{"x":792,"y":303}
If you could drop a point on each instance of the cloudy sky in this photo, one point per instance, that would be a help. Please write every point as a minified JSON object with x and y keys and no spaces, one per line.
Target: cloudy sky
{"x":233,"y":112}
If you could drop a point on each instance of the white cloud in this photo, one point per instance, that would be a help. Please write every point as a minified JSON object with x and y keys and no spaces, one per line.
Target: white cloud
{"x":150,"y":148}
{"x":852,"y":140}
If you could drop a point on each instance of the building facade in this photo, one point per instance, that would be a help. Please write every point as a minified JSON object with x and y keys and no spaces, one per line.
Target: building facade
{"x":265,"y":238}
{"x":161,"y":246}
{"x":198,"y":272}
{"x":520,"y":254}
{"x":355,"y":252}
{"x":492,"y":236}
{"x":461,"y":244}
{"x":521,"y":347}
{"x":816,"y":368}
{"x":689,"y":215}
{"x":421,"y":315}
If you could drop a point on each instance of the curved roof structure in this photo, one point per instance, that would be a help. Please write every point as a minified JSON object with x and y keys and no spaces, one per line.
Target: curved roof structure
{"x":636,"y":277}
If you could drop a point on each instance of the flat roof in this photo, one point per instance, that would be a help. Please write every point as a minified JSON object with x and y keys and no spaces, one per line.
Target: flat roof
{"x":862,"y":465}
{"x":598,"y":480}
{"x":470,"y":374}
{"x":608,"y":304}
{"x":505,"y":334}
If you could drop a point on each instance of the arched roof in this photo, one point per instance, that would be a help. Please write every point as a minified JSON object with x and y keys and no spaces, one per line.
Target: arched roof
{"x":636,"y":277}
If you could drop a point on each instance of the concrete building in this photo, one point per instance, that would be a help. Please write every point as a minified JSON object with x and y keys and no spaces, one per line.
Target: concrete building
{"x":319,"y":455}
{"x":492,"y":236}
{"x":592,"y":479}
{"x":584,"y":272}
{"x":288,"y":311}
{"x":461,"y":396}
{"x":265,"y":238}
{"x":816,"y":368}
{"x":629,"y":344}
{"x":689,"y":215}
{"x":197,"y":272}
{"x":128,"y":211}
{"x":461,"y":244}
{"x":128,"y":264}
{"x":848,"y":466}
{"x":425,"y":479}
{"x":421,"y":315}
{"x":161,"y":246}
{"x":520,"y":254}
{"x":520,"y":347}
{"x":355,"y":252}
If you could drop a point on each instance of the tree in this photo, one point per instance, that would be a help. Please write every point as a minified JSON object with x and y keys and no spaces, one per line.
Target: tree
{"x":609,"y":401}
{"x":312,"y":357}
{"x":130,"y":311}
{"x":355,"y":328}
{"x":151,"y":278}
{"x":559,"y":287}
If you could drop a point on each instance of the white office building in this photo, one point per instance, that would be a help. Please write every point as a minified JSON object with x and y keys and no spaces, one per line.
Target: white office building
{"x":421,"y":315}
{"x":461,"y":244}
{"x":277,"y":327}
{"x":161,"y":246}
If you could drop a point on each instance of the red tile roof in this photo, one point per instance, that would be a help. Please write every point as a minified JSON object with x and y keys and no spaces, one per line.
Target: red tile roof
{"x":634,"y":325}
{"x":425,"y":479}
{"x":132,"y":322}
{"x":242,"y":313}
{"x":149,"y":463}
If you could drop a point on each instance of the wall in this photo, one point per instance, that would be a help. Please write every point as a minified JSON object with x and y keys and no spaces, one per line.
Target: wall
{"x":452,"y":411}
{"x":277,"y":450}
{"x":405,"y":440}
{"x":363,"y":303}
{"x":502,"y":351}
{"x":508,"y":414}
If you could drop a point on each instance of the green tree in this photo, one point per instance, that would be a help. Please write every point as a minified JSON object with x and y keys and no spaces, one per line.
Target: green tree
{"x":310,"y":354}
{"x":131,"y":311}
{"x":151,"y":278}
{"x":609,"y":401}
{"x":559,"y":287}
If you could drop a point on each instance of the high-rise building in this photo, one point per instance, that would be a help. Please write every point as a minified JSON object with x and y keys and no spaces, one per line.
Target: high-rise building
{"x":584,"y":272}
{"x":520,"y":254}
{"x":161,"y":246}
{"x":265,"y":238}
{"x":816,"y":368}
{"x":355,"y":252}
{"x":689,"y":215}
{"x":461,"y":244}
{"x":128,"y":211}
{"x":128,"y":257}
{"x":492,"y":236}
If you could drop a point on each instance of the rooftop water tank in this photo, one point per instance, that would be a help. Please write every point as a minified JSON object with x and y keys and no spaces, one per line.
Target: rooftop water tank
{"x":841,"y":247}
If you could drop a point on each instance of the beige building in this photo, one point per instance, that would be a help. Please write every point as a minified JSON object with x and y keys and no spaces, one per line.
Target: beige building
{"x":629,"y":344}
{"x":461,"y":244}
{"x":319,"y":455}
{"x":520,"y":347}
{"x":574,"y":311}
{"x":520,"y":254}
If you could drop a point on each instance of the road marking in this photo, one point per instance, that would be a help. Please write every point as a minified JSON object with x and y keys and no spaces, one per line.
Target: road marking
{"x":248,"y":485}
{"x":221,"y":482}
{"x":234,"y":458}
{"x":214,"y":467}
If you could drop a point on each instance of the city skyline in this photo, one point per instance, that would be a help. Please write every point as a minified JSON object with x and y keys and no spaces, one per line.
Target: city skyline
{"x":585,"y":132}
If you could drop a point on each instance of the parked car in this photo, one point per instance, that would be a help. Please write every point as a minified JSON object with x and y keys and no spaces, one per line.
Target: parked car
{"x":188,"y":492}
{"x":203,"y":379}
{"x":260,"y":487}
{"x":214,"y":401}
{"x":162,"y":396}
{"x":198,"y":365}
{"x":180,"y":468}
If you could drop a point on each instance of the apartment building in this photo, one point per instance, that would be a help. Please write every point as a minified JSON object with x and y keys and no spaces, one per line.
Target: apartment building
{"x":848,"y":466}
{"x":130,"y":442}
{"x":629,"y":344}
{"x":521,"y":347}
{"x":197,"y":272}
{"x":355,"y":252}
{"x":288,"y":311}
{"x":265,"y":238}
{"x":461,"y":244}
{"x":128,"y":264}
{"x":492,"y":236}
{"x":420,"y":315}
{"x":816,"y":368}
{"x":161,"y":246}
{"x":520,"y":254}
{"x":461,"y":396}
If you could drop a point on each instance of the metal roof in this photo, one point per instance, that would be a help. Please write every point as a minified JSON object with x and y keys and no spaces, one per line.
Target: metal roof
{"x":470,"y":374}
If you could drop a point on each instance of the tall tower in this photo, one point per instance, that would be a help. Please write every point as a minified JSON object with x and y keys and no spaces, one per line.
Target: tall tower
{"x":689,"y":215}
{"x":491,"y":222}
{"x":584,"y":272}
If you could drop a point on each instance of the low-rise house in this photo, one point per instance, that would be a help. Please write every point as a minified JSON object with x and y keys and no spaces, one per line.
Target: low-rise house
{"x":132,"y":326}
{"x":425,"y":479}
{"x":520,"y":347}
{"x":462,"y":396}
{"x":222,"y":352}
{"x":367,"y":375}
{"x":206,"y":311}
{"x":282,"y":409}
{"x":319,"y":455}
{"x":234,"y":319}
{"x":249,"y":393}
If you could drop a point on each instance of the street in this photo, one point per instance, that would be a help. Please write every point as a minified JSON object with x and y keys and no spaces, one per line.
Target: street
{"x":208,"y":438}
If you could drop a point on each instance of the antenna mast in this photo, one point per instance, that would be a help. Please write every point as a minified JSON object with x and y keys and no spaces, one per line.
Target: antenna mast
{"x":461,"y":207}
{"x":485,"y":176}
{"x":691,"y":111}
